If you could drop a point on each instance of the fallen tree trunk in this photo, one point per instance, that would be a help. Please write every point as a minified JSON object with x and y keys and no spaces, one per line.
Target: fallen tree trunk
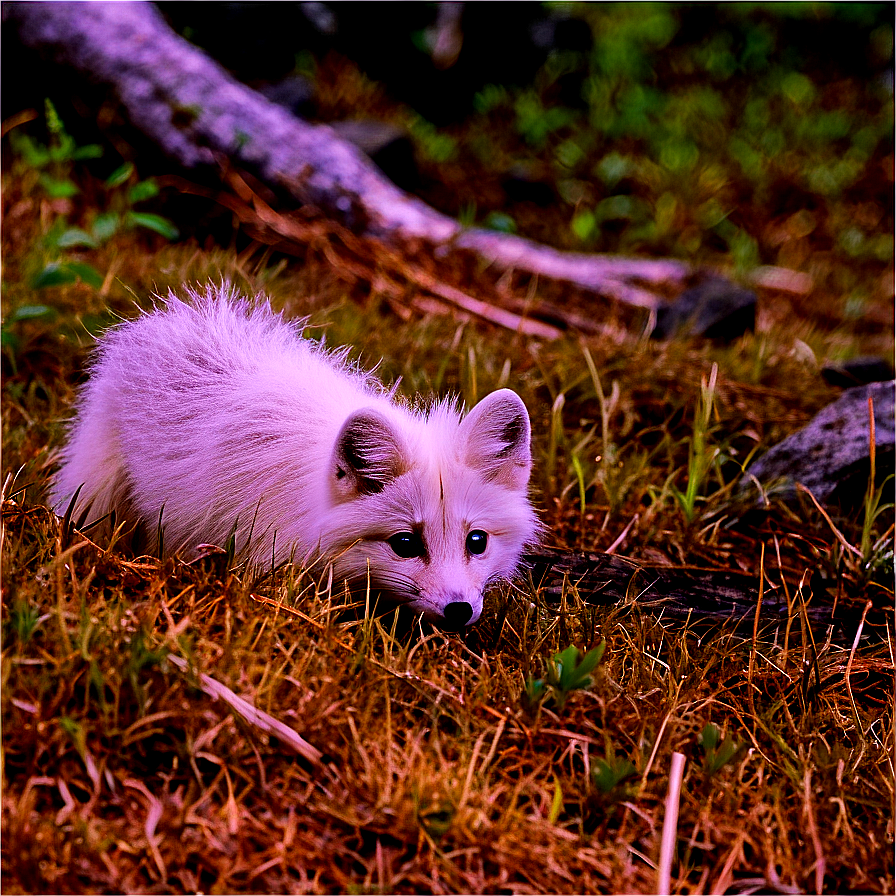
{"x":688,"y":593}
{"x":198,"y":114}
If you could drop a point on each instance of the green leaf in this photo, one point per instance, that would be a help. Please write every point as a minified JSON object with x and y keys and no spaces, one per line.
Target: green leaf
{"x":156,"y":223}
{"x":90,"y":151}
{"x":9,"y":341}
{"x":569,"y":673}
{"x":501,"y":222}
{"x":535,"y":690}
{"x":613,"y":167}
{"x":583,"y":225}
{"x":54,"y":274}
{"x":717,"y":754}
{"x":31,"y":312}
{"x":119,"y":175}
{"x":709,"y":737}
{"x":73,"y":237}
{"x":59,"y":274}
{"x":58,"y":189}
{"x":610,"y":773}
{"x":556,"y":803}
{"x":35,"y":154}
{"x":87,"y":273}
{"x":105,"y":226}
{"x":145,"y":189}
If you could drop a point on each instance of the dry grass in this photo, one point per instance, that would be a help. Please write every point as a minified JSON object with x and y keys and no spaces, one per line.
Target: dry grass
{"x":120,"y":774}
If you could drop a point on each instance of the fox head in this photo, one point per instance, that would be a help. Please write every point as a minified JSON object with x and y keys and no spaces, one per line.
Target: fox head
{"x":432,"y":510}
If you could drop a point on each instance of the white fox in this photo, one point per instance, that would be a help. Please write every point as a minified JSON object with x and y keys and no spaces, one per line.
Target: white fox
{"x":214,"y":418}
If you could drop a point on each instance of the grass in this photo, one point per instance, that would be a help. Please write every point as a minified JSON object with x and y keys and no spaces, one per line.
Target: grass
{"x":534,"y":753}
{"x":446,"y":772}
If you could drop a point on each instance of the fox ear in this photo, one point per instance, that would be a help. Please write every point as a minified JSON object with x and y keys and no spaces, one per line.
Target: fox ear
{"x":496,"y":436}
{"x":369,"y":454}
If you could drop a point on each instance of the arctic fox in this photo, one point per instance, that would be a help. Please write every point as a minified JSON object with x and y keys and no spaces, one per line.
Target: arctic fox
{"x":212,"y":417}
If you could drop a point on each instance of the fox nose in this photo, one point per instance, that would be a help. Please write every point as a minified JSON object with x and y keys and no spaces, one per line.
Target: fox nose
{"x":457,"y":613}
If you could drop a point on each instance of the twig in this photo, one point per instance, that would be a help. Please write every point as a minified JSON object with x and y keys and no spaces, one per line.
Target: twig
{"x":830,"y":522}
{"x":479,"y":308}
{"x":284,"y":226}
{"x":670,"y":825}
{"x":623,"y":535}
{"x":852,"y":653}
{"x":153,"y":816}
{"x":252,"y":714}
{"x":820,"y":863}
{"x":756,"y":620}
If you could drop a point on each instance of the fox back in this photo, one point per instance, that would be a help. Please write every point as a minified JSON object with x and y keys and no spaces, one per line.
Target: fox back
{"x":213,"y":418}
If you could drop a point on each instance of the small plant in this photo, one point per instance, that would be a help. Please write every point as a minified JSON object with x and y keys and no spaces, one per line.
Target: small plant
{"x":608,"y":773}
{"x":565,"y":673}
{"x":55,"y":163}
{"x":556,"y":433}
{"x":138,"y":658}
{"x":23,"y":620}
{"x":608,"y":786}
{"x":716,"y":751}
{"x":876,"y":553}
{"x":54,"y":160}
{"x":435,"y":816}
{"x":701,"y":454}
{"x":9,"y":341}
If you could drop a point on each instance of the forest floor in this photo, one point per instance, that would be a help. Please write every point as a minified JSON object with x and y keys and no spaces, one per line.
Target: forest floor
{"x":473,"y":762}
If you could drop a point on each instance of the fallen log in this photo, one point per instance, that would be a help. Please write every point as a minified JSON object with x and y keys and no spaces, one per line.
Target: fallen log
{"x":198,"y":115}
{"x":684,"y":593}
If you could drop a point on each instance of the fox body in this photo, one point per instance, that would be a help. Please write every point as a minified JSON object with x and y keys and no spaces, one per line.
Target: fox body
{"x":213,"y":418}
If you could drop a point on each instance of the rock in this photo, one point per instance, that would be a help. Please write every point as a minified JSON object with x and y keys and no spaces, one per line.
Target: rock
{"x":858,"y":372}
{"x":715,"y":308}
{"x":388,"y":146}
{"x":831,"y":455}
{"x":295,"y":93}
{"x":524,"y":183}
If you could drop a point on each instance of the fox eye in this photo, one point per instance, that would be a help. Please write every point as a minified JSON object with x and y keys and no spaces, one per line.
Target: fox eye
{"x":407,"y":544}
{"x":477,"y":541}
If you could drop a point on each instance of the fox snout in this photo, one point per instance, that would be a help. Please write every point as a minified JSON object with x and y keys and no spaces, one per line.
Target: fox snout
{"x":456,"y":614}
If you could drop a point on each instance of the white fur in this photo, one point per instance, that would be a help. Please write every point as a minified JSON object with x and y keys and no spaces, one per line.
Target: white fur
{"x":217,"y":416}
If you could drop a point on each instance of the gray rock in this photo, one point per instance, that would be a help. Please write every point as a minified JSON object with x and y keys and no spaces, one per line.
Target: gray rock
{"x":857,"y":372}
{"x":295,"y":93}
{"x":714,"y":308}
{"x":831,"y":455}
{"x":388,"y":146}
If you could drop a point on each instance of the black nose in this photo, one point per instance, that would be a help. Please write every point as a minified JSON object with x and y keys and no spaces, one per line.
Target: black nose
{"x":457,"y":613}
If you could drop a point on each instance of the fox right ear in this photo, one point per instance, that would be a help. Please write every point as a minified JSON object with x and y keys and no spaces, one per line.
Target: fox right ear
{"x":498,"y":436}
{"x":369,"y":454}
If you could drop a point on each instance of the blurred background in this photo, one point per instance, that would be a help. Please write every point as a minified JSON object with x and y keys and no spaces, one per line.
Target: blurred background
{"x":744,"y":133}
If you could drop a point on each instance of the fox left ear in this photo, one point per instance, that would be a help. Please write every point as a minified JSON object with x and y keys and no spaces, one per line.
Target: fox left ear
{"x":496,"y":436}
{"x":368,"y":455}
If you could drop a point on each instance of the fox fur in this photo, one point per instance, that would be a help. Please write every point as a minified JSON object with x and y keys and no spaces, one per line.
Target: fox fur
{"x":213,"y":417}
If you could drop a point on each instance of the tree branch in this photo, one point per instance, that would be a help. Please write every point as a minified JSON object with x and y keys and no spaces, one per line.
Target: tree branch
{"x":197,"y":113}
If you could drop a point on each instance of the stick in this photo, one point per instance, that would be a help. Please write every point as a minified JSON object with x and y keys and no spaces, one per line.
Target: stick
{"x":252,"y":714}
{"x":670,"y":825}
{"x":198,"y":115}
